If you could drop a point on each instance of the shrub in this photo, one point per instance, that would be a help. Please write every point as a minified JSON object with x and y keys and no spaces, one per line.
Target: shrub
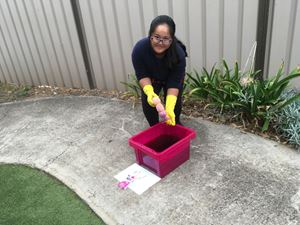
{"x":216,"y":88}
{"x":251,"y":98}
{"x":287,"y":120}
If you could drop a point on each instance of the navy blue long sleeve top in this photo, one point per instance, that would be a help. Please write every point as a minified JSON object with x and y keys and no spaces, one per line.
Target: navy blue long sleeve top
{"x":146,"y":64}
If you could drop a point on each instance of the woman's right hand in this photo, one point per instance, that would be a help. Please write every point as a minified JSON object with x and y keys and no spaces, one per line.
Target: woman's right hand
{"x":149,"y":91}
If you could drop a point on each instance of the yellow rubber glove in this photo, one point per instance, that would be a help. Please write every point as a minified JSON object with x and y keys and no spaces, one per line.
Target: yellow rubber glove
{"x":170,"y":106}
{"x":148,"y":90}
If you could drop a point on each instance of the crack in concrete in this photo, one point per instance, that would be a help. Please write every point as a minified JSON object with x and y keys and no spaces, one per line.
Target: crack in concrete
{"x":128,"y":134}
{"x":52,"y":160}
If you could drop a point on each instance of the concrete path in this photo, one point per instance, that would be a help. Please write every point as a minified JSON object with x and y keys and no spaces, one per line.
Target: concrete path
{"x":231,"y":178}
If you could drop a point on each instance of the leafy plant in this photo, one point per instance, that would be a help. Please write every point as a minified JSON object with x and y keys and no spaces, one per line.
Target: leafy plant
{"x":263,"y":99}
{"x":133,"y":86}
{"x":287,"y":120}
{"x":186,"y":86}
{"x":215,"y":87}
{"x":252,"y":99}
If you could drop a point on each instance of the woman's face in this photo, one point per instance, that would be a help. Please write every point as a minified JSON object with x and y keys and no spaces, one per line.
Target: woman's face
{"x":161,"y":39}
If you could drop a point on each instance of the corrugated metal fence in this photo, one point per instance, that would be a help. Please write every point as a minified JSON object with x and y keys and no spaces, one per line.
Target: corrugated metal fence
{"x":283,"y":39}
{"x":39,"y":42}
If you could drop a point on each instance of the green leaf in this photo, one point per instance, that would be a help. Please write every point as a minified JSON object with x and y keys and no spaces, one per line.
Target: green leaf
{"x":236,"y":71}
{"x":266,"y":125}
{"x":286,"y":79}
{"x":288,"y":101}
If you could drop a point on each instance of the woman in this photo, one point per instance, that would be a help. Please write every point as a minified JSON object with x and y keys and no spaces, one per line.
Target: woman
{"x":159,"y":63}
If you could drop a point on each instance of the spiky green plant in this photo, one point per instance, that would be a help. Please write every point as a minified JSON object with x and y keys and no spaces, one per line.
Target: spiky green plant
{"x":133,"y":86}
{"x":264,"y":98}
{"x":249,"y":97}
{"x":216,"y":88}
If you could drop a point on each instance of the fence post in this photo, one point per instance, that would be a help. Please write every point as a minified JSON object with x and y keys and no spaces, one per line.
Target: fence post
{"x":83,"y":43}
{"x":263,"y":36}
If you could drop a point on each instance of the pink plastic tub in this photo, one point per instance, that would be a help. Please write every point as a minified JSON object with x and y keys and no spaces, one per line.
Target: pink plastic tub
{"x":162,"y":148}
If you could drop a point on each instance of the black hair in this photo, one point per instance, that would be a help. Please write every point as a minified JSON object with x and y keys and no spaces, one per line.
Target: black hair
{"x":171,"y":54}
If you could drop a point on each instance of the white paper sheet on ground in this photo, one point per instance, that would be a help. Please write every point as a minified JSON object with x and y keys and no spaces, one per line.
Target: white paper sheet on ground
{"x":140,"y":179}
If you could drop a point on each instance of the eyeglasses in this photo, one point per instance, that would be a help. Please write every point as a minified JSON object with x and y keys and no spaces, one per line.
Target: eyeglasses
{"x":156,"y":39}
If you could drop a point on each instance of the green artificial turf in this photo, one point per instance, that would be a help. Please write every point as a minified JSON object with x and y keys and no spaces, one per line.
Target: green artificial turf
{"x":29,"y":196}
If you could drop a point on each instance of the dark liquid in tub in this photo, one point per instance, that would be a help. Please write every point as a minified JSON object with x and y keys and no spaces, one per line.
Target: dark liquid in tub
{"x":162,"y":142}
